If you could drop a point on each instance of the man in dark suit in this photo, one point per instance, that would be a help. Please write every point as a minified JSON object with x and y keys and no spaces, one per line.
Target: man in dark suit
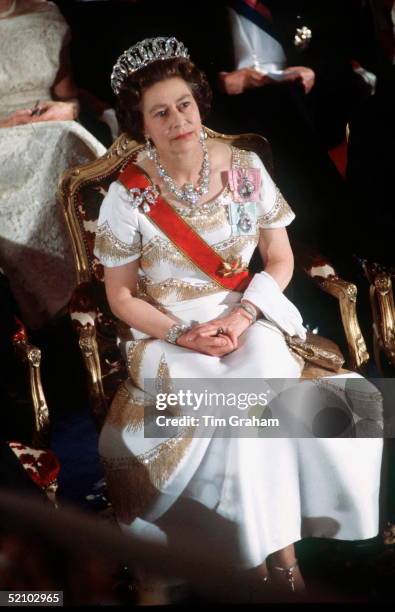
{"x":292,"y":80}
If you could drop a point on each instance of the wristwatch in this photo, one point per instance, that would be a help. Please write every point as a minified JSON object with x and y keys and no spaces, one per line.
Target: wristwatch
{"x":176,"y":331}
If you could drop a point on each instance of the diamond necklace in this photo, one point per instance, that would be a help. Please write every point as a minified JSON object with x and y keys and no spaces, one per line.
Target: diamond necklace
{"x":188,"y":192}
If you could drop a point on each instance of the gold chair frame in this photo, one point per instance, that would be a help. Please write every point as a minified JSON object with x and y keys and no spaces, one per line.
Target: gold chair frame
{"x":383,"y":313}
{"x":324,"y":275}
{"x":30,"y":355}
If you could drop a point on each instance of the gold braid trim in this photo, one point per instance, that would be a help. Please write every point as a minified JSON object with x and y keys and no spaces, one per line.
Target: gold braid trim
{"x":126,"y":411}
{"x":135,"y":358}
{"x":109,"y":246}
{"x":164,"y":384}
{"x":208,"y":222}
{"x":279,"y":210}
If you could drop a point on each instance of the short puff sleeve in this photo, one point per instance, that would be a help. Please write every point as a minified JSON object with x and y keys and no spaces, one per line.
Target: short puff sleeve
{"x":273,"y":210}
{"x":118,"y":239}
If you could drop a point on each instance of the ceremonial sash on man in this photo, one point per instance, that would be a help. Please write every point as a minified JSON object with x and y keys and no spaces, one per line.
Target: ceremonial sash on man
{"x":254,"y":10}
{"x":232,"y":275}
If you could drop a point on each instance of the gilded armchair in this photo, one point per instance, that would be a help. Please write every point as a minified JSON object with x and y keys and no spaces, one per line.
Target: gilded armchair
{"x":80,"y":194}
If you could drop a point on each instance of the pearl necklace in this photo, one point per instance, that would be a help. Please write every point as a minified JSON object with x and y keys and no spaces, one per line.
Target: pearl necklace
{"x":188,"y":192}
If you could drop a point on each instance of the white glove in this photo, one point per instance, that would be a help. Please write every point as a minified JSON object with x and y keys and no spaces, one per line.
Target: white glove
{"x":264,"y":292}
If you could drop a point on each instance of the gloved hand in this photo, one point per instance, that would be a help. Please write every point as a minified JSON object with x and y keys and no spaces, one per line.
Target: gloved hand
{"x":264,"y":292}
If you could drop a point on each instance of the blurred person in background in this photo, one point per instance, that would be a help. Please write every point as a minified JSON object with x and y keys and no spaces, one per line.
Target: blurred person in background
{"x":39,"y":139}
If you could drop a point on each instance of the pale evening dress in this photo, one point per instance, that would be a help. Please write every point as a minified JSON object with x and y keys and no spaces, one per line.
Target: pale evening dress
{"x":273,"y":491}
{"x":35,"y":251}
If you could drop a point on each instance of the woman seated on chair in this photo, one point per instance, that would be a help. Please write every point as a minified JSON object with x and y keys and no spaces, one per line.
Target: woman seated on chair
{"x":175,"y":234}
{"x":39,"y":139}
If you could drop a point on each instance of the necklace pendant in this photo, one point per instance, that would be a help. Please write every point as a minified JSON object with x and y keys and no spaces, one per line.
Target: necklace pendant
{"x":192,"y":198}
{"x":190,"y":194}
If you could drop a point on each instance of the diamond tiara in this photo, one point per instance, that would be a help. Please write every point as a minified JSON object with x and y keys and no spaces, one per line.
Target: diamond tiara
{"x":144,"y":53}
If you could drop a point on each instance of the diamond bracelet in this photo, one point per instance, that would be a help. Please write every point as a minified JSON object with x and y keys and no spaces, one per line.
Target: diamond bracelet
{"x":176,"y":331}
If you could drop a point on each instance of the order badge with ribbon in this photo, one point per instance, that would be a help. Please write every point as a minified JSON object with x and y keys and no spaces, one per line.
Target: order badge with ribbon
{"x":244,"y":184}
{"x":243,"y":218}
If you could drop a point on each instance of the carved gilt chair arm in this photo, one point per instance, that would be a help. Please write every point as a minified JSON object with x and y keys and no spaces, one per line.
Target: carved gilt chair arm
{"x":83,"y":315}
{"x":324,"y":275}
{"x":31,"y":356}
{"x":346,"y":293}
{"x":383,"y":311}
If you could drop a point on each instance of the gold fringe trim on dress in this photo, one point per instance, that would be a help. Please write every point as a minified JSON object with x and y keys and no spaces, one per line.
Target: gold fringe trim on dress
{"x":135,"y":358}
{"x":279,"y":210}
{"x":208,"y":222}
{"x":133,"y":482}
{"x":110,"y":247}
{"x":179,"y":289}
{"x":126,"y":411}
{"x":162,"y":460}
{"x":130,"y":491}
{"x":143,"y":295}
{"x":159,"y":251}
{"x":164,"y":384}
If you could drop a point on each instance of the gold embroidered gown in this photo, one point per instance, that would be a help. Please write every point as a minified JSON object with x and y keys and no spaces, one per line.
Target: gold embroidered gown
{"x":271,"y":491}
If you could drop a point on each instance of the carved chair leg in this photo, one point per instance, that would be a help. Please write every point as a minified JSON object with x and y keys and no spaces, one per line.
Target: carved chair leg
{"x":31,"y":355}
{"x":383,"y":313}
{"x":90,"y":352}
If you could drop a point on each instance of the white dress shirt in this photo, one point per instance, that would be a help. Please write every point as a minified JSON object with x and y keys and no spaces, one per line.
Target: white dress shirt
{"x":253,"y":47}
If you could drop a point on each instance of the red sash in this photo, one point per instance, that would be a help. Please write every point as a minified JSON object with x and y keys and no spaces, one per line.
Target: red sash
{"x":231,"y":275}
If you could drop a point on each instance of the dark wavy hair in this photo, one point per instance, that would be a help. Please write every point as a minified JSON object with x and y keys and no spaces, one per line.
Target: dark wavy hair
{"x":129,"y":113}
